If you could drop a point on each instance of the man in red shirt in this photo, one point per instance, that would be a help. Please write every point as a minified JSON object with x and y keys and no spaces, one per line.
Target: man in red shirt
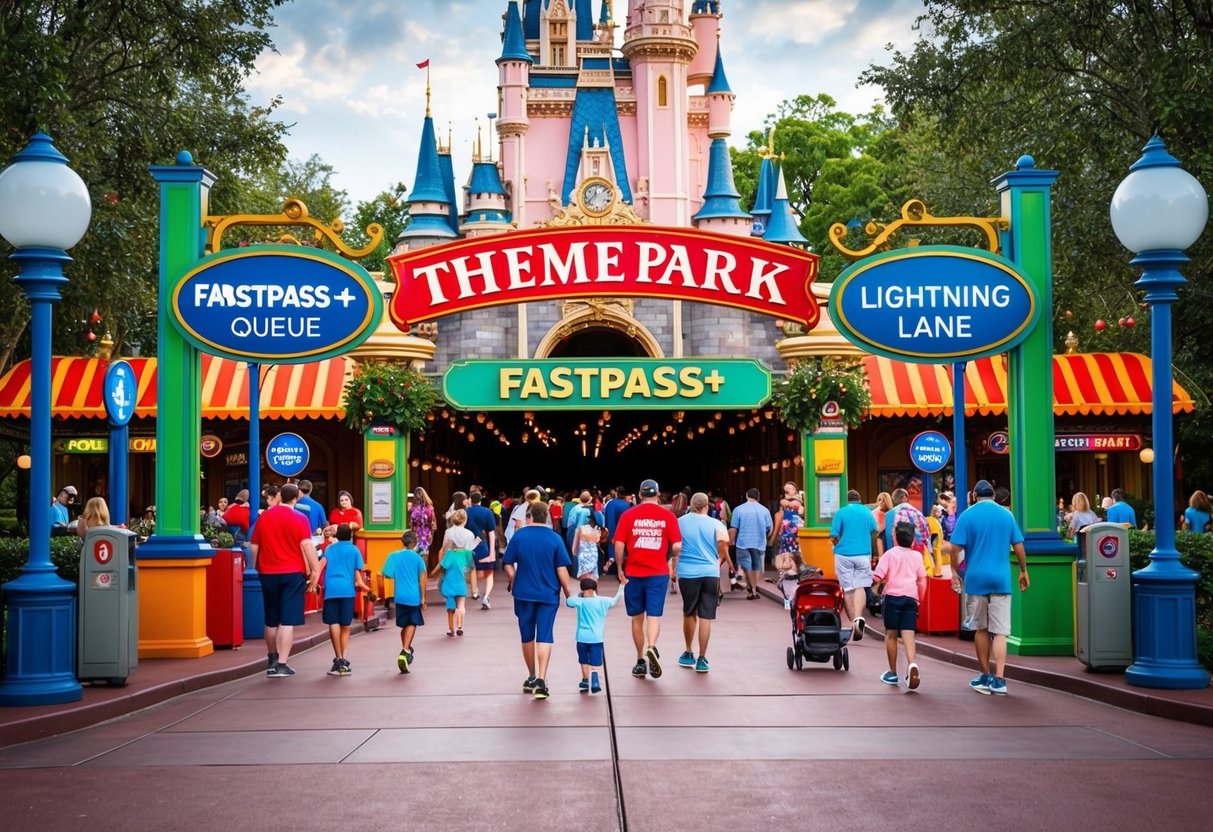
{"x":646,"y":539}
{"x":237,"y":516}
{"x":285,"y":557}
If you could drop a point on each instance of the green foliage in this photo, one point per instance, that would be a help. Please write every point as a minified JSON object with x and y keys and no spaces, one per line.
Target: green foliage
{"x":1196,"y":553}
{"x":800,"y":395}
{"x":391,"y":211}
{"x":388,"y":394}
{"x":65,"y":554}
{"x":309,"y":181}
{"x":119,"y":86}
{"x":1081,"y":92}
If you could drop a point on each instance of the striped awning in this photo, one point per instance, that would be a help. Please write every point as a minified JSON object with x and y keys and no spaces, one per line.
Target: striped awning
{"x":1100,"y":384}
{"x":288,"y":391}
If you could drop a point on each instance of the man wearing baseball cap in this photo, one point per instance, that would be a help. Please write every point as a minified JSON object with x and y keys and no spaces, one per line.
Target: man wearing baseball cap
{"x":646,"y":540}
{"x":982,"y":570}
{"x":60,"y":519}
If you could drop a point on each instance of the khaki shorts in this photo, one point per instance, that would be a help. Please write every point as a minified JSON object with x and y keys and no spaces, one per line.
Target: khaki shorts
{"x":988,"y":612}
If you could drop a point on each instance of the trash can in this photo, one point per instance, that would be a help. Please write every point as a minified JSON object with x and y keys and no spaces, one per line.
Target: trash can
{"x":1103,"y":602}
{"x":225,"y":598}
{"x":940,"y":610}
{"x":108,"y":624}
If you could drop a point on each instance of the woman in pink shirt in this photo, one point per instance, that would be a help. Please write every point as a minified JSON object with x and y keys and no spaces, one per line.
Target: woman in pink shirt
{"x":904,"y":579}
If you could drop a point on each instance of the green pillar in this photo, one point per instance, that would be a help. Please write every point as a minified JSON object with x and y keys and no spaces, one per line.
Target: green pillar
{"x":825,"y":491}
{"x":1042,"y":619}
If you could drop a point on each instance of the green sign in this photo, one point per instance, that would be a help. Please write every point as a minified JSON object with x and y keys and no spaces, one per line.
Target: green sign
{"x":608,"y":384}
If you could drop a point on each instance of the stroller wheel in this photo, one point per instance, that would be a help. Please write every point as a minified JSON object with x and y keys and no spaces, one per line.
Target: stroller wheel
{"x":846,"y":659}
{"x":791,"y":658}
{"x":799,"y":661}
{"x":838,"y":660}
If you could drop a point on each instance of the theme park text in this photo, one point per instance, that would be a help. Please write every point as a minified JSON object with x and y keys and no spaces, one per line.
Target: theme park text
{"x":635,"y":261}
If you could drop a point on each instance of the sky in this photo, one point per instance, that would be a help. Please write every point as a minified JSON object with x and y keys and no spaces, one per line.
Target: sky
{"x":353,"y":95}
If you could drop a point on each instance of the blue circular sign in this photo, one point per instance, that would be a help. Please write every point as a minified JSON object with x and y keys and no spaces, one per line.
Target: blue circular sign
{"x":930,"y":451}
{"x":934,"y":304}
{"x":287,"y":454}
{"x":276,"y":304}
{"x":121,"y":389}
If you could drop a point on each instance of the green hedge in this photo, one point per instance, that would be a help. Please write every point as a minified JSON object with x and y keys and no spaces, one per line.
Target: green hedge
{"x":1196,"y":553}
{"x":65,"y":554}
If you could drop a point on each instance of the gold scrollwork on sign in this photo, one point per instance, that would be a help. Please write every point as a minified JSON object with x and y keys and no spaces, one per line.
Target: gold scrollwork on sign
{"x":294,"y":213}
{"x":914,"y":214}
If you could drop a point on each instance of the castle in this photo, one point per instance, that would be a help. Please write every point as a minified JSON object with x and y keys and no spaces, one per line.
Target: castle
{"x":591,"y":134}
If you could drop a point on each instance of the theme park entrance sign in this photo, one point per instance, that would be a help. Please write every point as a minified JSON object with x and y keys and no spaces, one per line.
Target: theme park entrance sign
{"x":276,"y":304}
{"x":607,"y":384}
{"x":595,"y":261}
{"x":934,"y":304}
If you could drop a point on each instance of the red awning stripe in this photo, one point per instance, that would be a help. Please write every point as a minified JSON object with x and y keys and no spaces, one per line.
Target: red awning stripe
{"x":1087,"y":384}
{"x":289,"y":391}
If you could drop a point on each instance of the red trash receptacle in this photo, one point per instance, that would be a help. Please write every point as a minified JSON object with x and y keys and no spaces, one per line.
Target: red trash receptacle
{"x":225,"y":598}
{"x":940,"y":612}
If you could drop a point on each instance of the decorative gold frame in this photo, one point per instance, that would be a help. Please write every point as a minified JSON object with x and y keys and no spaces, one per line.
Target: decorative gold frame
{"x":294,"y":213}
{"x":914,"y":214}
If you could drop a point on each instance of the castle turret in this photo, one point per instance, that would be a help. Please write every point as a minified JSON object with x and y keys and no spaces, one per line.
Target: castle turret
{"x":484,"y":198}
{"x":720,"y":101}
{"x":705,"y":26}
{"x":514,"y":78}
{"x":429,"y":202}
{"x":659,"y":47}
{"x":447,"y":169}
{"x":764,"y":195}
{"x":721,"y":209}
{"x":782,"y":228}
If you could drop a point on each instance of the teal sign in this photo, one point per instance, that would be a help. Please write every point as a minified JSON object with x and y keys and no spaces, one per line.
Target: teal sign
{"x":276,"y":304}
{"x":934,"y":304}
{"x":608,"y":384}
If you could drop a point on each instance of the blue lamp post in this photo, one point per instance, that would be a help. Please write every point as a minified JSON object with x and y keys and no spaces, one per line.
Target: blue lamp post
{"x":44,"y":210}
{"x":1158,"y":211}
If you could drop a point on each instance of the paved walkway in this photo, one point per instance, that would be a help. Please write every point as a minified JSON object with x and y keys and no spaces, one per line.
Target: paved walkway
{"x":750,"y":745}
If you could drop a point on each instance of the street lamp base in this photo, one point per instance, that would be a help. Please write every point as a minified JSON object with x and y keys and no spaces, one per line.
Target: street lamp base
{"x":1164,"y":633}
{"x":40,"y":660}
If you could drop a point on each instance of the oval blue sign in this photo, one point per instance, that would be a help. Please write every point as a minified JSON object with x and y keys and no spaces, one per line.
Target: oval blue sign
{"x":276,"y":304}
{"x":287,"y":454}
{"x":934,"y":304}
{"x":930,"y":451}
{"x":120,"y":392}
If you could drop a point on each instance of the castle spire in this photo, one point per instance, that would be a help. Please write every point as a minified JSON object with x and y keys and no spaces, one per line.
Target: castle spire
{"x":721,"y":209}
{"x":782,"y":227}
{"x":429,"y":206}
{"x":513,"y":43}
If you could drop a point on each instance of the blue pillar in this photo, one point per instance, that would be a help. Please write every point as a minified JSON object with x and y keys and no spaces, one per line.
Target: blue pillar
{"x":1164,"y":596}
{"x":254,"y":610}
{"x":960,"y":458}
{"x":119,"y":448}
{"x":40,"y":666}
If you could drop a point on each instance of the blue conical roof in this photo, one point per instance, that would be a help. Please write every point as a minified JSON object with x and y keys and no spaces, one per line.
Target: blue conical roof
{"x":604,"y":16}
{"x":513,"y":46}
{"x":530,"y":18}
{"x":720,"y":82}
{"x":427,"y":186}
{"x":764,"y":197}
{"x":706,"y":7}
{"x":782,"y":226}
{"x":448,"y":183}
{"x":584,"y":10}
{"x":485,"y":179}
{"x":721,"y":198}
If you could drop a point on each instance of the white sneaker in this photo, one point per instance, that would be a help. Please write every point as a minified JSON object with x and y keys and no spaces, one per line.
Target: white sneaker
{"x":787,"y":603}
{"x":484,"y":605}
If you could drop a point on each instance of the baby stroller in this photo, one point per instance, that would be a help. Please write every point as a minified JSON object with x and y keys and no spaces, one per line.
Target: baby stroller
{"x":817,"y":631}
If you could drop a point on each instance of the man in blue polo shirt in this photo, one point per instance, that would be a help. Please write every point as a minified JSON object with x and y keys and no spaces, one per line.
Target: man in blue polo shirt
{"x":853,"y":532}
{"x":985,"y":533}
{"x":1120,"y":511}
{"x":749,"y":528}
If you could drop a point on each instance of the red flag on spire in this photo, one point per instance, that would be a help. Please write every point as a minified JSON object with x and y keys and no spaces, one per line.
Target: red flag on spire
{"x":424,"y":64}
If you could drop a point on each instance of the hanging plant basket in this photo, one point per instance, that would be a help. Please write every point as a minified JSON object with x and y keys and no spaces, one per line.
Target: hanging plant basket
{"x":800,"y":396}
{"x":388,"y":394}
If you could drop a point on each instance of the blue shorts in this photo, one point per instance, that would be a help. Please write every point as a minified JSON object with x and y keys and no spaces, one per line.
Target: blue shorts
{"x":282,"y":599}
{"x":338,"y":611}
{"x":590,"y":654}
{"x":535,"y":620}
{"x":646,"y":595}
{"x":900,"y":613}
{"x":750,"y":560}
{"x":452,"y":601}
{"x":408,"y":615}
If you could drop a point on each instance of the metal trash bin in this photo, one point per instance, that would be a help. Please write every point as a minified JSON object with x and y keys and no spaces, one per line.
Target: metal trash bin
{"x":108,"y":631}
{"x":1103,"y":596}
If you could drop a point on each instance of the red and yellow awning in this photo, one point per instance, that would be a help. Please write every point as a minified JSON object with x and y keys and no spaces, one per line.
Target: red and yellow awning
{"x":1100,"y":384}
{"x":288,"y":391}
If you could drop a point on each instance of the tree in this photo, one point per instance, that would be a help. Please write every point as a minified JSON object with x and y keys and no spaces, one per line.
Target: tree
{"x":1081,"y":89}
{"x":119,"y":85}
{"x":837,"y":168}
{"x":390,"y":210}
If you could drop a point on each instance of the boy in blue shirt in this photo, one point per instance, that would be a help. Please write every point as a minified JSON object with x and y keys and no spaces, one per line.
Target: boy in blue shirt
{"x":407,"y":569}
{"x":591,"y":629}
{"x":342,"y":563}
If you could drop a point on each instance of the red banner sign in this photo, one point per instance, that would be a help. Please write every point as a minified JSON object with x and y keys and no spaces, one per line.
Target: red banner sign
{"x":1097,"y":442}
{"x":596,"y":261}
